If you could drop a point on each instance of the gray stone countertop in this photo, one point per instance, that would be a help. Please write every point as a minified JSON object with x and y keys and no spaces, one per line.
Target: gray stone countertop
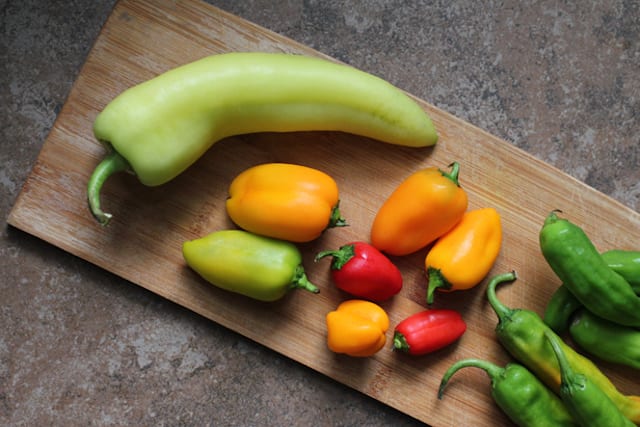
{"x":79,"y":346}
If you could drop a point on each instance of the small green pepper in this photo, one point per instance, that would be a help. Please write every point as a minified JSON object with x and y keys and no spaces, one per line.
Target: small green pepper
{"x":606,"y":340}
{"x":522,"y":333}
{"x":626,"y":263}
{"x":563,"y":304}
{"x":560,"y":308}
{"x":259,"y":267}
{"x":520,"y":394}
{"x":588,"y":404}
{"x":575,"y":260}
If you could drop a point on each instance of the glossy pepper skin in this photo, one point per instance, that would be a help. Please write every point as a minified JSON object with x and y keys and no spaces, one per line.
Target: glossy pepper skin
{"x":563,"y":303}
{"x":522,"y":333}
{"x":158,"y":128}
{"x":520,"y":394}
{"x":357,"y":328}
{"x":427,"y":331}
{"x":627,"y":264}
{"x":606,"y":340}
{"x":559,"y":309}
{"x":461,"y":258}
{"x":575,"y":260}
{"x":284,"y":201}
{"x":363,"y":271}
{"x":422,"y":208}
{"x":259,"y":267}
{"x":586,"y":402}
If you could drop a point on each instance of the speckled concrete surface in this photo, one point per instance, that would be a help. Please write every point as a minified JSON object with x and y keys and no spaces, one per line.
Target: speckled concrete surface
{"x":79,"y":346}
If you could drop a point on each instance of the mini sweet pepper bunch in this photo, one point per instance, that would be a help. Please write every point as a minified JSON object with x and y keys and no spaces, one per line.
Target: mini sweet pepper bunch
{"x":430,"y":208}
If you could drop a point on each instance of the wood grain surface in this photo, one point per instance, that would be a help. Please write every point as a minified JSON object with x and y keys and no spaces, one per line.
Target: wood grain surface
{"x":143,"y":242}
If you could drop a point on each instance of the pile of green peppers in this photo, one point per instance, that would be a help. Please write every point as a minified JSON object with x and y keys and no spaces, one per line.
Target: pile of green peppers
{"x":598,"y":305}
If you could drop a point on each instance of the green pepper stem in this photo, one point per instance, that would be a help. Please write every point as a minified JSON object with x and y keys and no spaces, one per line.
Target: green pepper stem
{"x":111,"y":164}
{"x":300,"y":280}
{"x":400,"y":342}
{"x":340,"y":257}
{"x":436,"y":280}
{"x":552,"y":217}
{"x":493,"y":371}
{"x":560,"y":356}
{"x":568,"y":377}
{"x":502,"y":311}
{"x":453,"y":175}
{"x":336,"y":219}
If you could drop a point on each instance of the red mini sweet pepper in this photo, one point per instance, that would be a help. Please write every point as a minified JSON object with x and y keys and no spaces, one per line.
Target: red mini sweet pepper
{"x":363,"y":271}
{"x":428,"y":331}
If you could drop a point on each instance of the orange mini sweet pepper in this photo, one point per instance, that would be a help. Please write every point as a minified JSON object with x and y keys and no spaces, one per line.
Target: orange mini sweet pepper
{"x":422,"y":208}
{"x":464,"y":256}
{"x":284,"y":201}
{"x":357,"y":328}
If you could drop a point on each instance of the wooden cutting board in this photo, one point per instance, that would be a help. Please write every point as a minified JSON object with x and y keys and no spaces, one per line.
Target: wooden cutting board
{"x":143,"y":242}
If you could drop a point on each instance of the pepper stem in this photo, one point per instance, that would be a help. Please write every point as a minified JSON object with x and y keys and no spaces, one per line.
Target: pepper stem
{"x":567,"y":374}
{"x":436,"y":281}
{"x":340,"y":257}
{"x":453,"y":174}
{"x":111,"y":164}
{"x":336,"y":220}
{"x":400,"y":342}
{"x":502,"y":311}
{"x":493,"y":371}
{"x":300,"y":280}
{"x":552,"y":217}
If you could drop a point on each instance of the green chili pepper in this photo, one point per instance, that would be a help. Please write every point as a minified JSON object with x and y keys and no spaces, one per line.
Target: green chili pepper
{"x":606,"y":340}
{"x":259,"y":267}
{"x":588,"y":404}
{"x":520,"y":394}
{"x":563,"y":304}
{"x":160,"y":127}
{"x":560,"y":308}
{"x":522,"y":333}
{"x":575,"y":260}
{"x":625,"y":263}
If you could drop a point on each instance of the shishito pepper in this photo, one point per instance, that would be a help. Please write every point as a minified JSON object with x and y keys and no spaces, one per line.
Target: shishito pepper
{"x":363,"y":271}
{"x":245,"y":263}
{"x":461,"y":258}
{"x":606,"y":340}
{"x":575,"y":260}
{"x":427,"y":331}
{"x":157,"y":129}
{"x":519,"y":393}
{"x":285,"y":201}
{"x":357,"y":328}
{"x":522,"y":333}
{"x":563,"y":303}
{"x":559,"y":309}
{"x":626,"y":263}
{"x":422,"y":208}
{"x":587,"y":403}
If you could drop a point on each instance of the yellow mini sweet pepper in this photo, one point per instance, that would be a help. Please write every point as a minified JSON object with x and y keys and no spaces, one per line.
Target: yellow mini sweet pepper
{"x":284,"y":201}
{"x":357,"y":328}
{"x":462,"y":257}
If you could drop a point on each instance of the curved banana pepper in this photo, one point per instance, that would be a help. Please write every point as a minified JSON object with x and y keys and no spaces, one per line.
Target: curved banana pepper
{"x":357,"y":328}
{"x":461,"y":258}
{"x":159,"y":128}
{"x":284,"y":201}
